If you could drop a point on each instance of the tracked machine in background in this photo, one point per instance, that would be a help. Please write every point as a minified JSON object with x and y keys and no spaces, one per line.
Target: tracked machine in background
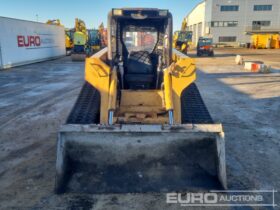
{"x":182,"y":39}
{"x":80,"y":38}
{"x":97,"y":38}
{"x":94,"y":41}
{"x":69,"y":36}
{"x":139,"y":123}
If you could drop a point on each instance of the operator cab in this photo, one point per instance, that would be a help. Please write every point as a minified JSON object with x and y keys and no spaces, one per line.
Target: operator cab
{"x":141,"y":46}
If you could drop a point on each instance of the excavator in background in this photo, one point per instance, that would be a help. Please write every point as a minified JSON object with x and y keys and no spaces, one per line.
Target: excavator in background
{"x":94,"y":41}
{"x":80,"y":42}
{"x":139,"y":123}
{"x":182,"y":39}
{"x":68,"y":35}
{"x":54,"y":22}
{"x":80,"y":38}
{"x":97,"y":39}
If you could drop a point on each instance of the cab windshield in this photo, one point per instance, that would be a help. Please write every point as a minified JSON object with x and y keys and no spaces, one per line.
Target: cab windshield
{"x":140,"y":39}
{"x":93,"y":37}
{"x":204,"y":42}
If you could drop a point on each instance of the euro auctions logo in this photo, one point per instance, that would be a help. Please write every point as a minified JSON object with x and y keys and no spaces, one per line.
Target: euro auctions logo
{"x":224,"y":198}
{"x":28,"y":41}
{"x":186,"y":199}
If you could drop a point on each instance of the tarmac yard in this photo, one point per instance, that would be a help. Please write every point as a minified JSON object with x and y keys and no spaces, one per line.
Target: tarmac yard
{"x":36,"y":99}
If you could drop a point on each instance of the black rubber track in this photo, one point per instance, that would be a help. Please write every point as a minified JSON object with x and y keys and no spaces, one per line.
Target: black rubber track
{"x":87,"y":107}
{"x":193,"y":107}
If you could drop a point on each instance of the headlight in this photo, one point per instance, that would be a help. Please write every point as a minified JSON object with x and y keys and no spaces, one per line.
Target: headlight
{"x":117,"y":12}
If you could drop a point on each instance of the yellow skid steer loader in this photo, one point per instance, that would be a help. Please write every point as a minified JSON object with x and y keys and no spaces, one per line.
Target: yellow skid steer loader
{"x":139,"y":123}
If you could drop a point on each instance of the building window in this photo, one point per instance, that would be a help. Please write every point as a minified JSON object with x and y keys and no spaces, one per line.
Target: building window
{"x":261,"y":23}
{"x":229,"y":8}
{"x":224,"y":23}
{"x":262,"y":7}
{"x":227,"y":38}
{"x":232,"y":23}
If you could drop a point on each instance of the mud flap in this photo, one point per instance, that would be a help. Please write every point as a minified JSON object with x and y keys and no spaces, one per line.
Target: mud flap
{"x":140,"y":158}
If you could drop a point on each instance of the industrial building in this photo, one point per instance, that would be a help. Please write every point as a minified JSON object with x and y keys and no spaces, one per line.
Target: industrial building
{"x":232,"y":22}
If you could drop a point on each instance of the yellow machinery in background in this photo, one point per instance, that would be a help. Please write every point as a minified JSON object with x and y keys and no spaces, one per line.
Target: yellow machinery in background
{"x":54,"y":22}
{"x":94,"y":42}
{"x":139,"y":123}
{"x":80,"y":38}
{"x":265,"y":41}
{"x":97,"y":39}
{"x":68,"y":34}
{"x":182,"y":39}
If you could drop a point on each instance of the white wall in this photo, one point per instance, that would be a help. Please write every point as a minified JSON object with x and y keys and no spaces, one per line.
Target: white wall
{"x":273,"y":16}
{"x":210,"y":11}
{"x":25,"y":42}
{"x":208,"y":14}
{"x":195,"y":19}
{"x":218,"y":15}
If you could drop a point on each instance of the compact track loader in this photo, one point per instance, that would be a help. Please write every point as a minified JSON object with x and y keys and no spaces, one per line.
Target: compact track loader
{"x":139,"y":123}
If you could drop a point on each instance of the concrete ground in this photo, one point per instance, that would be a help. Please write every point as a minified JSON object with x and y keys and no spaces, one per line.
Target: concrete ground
{"x":35,"y":99}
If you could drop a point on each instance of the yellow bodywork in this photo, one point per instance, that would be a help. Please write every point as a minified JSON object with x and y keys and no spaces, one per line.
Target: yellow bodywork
{"x":184,"y":47}
{"x":80,"y":38}
{"x":264,"y":41}
{"x":54,"y":22}
{"x":140,"y":106}
{"x":68,"y":42}
{"x":184,"y":25}
{"x":80,"y":35}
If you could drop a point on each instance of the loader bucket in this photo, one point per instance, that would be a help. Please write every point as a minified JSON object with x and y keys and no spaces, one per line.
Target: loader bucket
{"x":140,"y":158}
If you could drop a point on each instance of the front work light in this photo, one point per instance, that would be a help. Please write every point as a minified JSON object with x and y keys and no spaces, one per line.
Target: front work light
{"x":117,"y":12}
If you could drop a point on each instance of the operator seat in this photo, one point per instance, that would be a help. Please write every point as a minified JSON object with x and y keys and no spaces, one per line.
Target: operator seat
{"x":139,"y":72}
